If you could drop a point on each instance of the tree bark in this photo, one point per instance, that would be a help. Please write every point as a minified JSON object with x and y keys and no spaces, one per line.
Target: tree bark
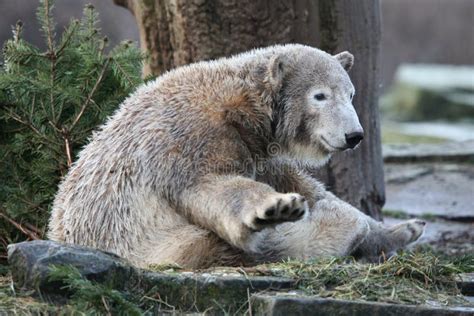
{"x":178,"y":32}
{"x":357,"y":176}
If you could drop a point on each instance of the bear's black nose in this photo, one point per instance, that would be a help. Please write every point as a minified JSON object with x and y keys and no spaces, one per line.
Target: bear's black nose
{"x":353,"y":139}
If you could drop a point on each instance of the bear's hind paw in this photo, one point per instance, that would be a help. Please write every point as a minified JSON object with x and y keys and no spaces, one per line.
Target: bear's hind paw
{"x":407,"y":232}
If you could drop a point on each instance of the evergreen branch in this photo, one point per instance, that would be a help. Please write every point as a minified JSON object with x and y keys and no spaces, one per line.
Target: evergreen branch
{"x":46,"y":112}
{"x":17,"y":118}
{"x":32,"y":205}
{"x":33,"y":106}
{"x":17,"y":31}
{"x":93,"y":298}
{"x":4,"y":242}
{"x":67,"y":145}
{"x":125,"y":74}
{"x":51,"y":95}
{"x":20,"y":54}
{"x":103,"y":45}
{"x":24,"y":230}
{"x":106,"y":306}
{"x":34,"y":229}
{"x":67,"y":38}
{"x":91,"y":94}
{"x":51,"y":54}
{"x":54,"y":126}
{"x":49,"y":31}
{"x":50,"y":101}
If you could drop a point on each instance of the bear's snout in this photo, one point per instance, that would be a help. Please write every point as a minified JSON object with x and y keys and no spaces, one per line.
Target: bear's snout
{"x":353,"y":139}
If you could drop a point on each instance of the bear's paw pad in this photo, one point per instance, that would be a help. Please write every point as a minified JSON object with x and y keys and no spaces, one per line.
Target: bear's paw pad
{"x":280,"y":208}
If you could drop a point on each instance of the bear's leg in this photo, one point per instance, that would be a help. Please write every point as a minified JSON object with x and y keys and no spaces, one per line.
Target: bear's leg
{"x":286,"y":175}
{"x":335,"y":228}
{"x":56,"y":230}
{"x":330,"y":229}
{"x":382,"y":241}
{"x":236,"y":207}
{"x":188,"y":246}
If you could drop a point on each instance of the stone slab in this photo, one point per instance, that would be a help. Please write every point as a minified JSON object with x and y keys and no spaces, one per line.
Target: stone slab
{"x":213,"y":292}
{"x":436,"y":76}
{"x":196,"y":291}
{"x":442,"y":190}
{"x":276,"y":304}
{"x":31,"y":261}
{"x":466,"y":283}
{"x":185,"y":291}
{"x":456,"y":152}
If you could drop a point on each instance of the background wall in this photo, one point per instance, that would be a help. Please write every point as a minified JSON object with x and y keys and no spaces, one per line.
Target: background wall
{"x":426,"y":31}
{"x":116,"y":22}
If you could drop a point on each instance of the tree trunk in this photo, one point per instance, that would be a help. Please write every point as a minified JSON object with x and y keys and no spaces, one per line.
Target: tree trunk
{"x":357,"y":176}
{"x":178,"y":32}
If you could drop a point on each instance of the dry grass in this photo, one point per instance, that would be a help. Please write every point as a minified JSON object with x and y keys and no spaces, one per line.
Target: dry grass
{"x":15,"y":303}
{"x":409,"y":278}
{"x":420,"y":277}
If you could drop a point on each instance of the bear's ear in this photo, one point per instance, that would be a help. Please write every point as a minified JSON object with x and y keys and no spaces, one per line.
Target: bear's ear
{"x":276,"y":70}
{"x":346,"y":59}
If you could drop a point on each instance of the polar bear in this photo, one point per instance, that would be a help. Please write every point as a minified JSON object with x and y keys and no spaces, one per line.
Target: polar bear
{"x":207,"y":165}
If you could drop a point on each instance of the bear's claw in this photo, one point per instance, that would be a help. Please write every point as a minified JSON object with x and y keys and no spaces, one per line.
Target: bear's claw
{"x":278,"y":209}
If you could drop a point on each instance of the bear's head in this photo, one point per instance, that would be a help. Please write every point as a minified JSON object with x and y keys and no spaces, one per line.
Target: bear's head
{"x":313,"y":115}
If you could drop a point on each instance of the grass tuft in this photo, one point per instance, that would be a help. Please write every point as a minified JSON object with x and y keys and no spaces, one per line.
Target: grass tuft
{"x":400,"y":214}
{"x":408,"y":278}
{"x":21,"y":303}
{"x":415,"y":277}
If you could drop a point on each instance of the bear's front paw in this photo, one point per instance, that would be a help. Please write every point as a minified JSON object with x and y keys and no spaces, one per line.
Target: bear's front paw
{"x":277,"y":209}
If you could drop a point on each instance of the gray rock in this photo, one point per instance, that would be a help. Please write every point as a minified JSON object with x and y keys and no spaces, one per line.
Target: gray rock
{"x":214,"y":292}
{"x":455,"y":152}
{"x":434,"y":190}
{"x":287,"y":304}
{"x":437,"y":77}
{"x":207,"y":291}
{"x":433,"y":132}
{"x":466,"y":283}
{"x":406,"y":174}
{"x":30,"y":263}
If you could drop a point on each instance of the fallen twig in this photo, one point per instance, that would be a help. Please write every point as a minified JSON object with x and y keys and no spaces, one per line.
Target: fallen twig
{"x":31,"y":234}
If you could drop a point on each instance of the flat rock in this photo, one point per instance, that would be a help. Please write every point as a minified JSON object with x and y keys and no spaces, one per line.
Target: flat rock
{"x":466,"y":284}
{"x":30,"y":263}
{"x":436,"y":77}
{"x":431,"y":189}
{"x":218,"y":291}
{"x":205,"y":291}
{"x":428,"y":131}
{"x":295,"y":304}
{"x":446,"y":152}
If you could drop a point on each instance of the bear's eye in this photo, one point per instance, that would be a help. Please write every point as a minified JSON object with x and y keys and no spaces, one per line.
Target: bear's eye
{"x":352,"y":95}
{"x":320,"y":96}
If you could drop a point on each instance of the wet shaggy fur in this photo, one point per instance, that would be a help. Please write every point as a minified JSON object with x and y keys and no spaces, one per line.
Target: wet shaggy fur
{"x":206,"y":166}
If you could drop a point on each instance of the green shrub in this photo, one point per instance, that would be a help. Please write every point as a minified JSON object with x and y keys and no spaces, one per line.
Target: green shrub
{"x":92,"y":298}
{"x":50,"y":102}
